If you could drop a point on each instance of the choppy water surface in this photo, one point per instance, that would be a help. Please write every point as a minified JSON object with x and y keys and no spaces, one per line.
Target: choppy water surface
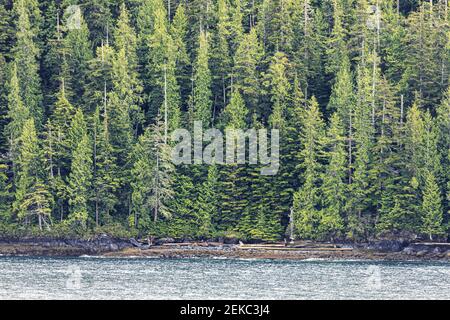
{"x":104,"y":278}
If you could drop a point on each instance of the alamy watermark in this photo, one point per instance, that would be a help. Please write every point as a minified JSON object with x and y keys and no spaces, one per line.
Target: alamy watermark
{"x":73,"y":17}
{"x":73,"y":282}
{"x":212,"y":146}
{"x":373,"y":280}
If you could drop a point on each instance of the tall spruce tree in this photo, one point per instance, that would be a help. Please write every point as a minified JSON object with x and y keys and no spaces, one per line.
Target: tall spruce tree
{"x":233,"y":201}
{"x":32,"y":199}
{"x":105,"y":180}
{"x":78,"y":53}
{"x":307,"y":203}
{"x":17,"y":114}
{"x":334,"y":189}
{"x":26,"y":54}
{"x":202,"y":83}
{"x":432,"y":214}
{"x":79,"y":182}
{"x":246,"y":75}
{"x":152,"y":178}
{"x":208,"y":203}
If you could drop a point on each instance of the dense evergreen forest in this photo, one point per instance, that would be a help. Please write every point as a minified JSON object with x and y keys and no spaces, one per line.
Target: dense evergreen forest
{"x":359,"y":90}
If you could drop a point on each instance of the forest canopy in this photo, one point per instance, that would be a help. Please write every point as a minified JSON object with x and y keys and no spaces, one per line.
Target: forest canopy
{"x":359,"y":89}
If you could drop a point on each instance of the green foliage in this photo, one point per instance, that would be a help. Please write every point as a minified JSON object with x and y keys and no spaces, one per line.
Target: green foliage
{"x":17,"y":114}
{"x":432,"y":208}
{"x":307,"y":199}
{"x":152,"y":178}
{"x":86,"y":112}
{"x":202,"y":83}
{"x":32,"y":199}
{"x":26,"y":55}
{"x":334,"y":188}
{"x":208,"y":203}
{"x":79,"y":182}
{"x":105,"y":177}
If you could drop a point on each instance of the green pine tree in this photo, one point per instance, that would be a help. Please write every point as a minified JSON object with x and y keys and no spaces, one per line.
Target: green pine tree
{"x":79,"y":182}
{"x":152,"y":178}
{"x":208,"y":203}
{"x":32,"y":199}
{"x":202,"y":83}
{"x":432,"y":214}
{"x":105,"y":180}
{"x":26,"y":55}
{"x":334,"y":189}
{"x":307,"y":199}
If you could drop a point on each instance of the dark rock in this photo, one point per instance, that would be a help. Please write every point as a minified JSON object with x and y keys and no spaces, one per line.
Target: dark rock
{"x":437,"y":250}
{"x":421,"y":253}
{"x":408,"y":251}
{"x":231,"y":241}
{"x":164,"y":240}
{"x":388,"y":245}
{"x":72,"y":247}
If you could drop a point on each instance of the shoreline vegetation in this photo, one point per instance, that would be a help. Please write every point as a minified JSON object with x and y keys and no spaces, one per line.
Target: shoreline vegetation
{"x":105,"y":246}
{"x":92,"y":97}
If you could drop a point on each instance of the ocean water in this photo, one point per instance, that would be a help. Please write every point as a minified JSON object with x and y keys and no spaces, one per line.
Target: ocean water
{"x":147,"y":278}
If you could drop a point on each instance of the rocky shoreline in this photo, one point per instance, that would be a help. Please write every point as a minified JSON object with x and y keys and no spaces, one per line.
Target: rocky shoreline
{"x":389,"y":250}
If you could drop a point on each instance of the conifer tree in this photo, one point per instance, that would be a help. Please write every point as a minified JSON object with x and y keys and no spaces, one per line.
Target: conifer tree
{"x":443,"y":125}
{"x":77,"y":130}
{"x":79,"y":182}
{"x":396,"y":194}
{"x":359,"y":219}
{"x":201,"y":15}
{"x":334,"y":189}
{"x":78,"y":53}
{"x":55,"y":68}
{"x":178,"y":31}
{"x":184,"y":222}
{"x":342,"y":98}
{"x":3,"y":102}
{"x":307,"y":199}
{"x":337,"y":46}
{"x":6,"y":30}
{"x":233,"y":200}
{"x":279,"y":89}
{"x":202,"y":83}
{"x":421,"y":145}
{"x":105,"y":180}
{"x":5,"y":195}
{"x":152,"y":177}
{"x":425,"y":69}
{"x":161,"y":80}
{"x":279,"y":195}
{"x":432,"y":215}
{"x":126,"y":114}
{"x":309,"y":52}
{"x":32,"y":200}
{"x":98,"y":15}
{"x":60,"y":126}
{"x":236,"y":24}
{"x":26,"y":55}
{"x":235,"y":114}
{"x":246,"y":77}
{"x":221,"y":58}
{"x":58,"y":148}
{"x":125,"y":37}
{"x":17,"y":114}
{"x":100,"y":76}
{"x":208,"y":203}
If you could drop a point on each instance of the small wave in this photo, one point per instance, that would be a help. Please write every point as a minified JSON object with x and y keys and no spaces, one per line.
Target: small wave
{"x":220,"y":258}
{"x":316,"y":259}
